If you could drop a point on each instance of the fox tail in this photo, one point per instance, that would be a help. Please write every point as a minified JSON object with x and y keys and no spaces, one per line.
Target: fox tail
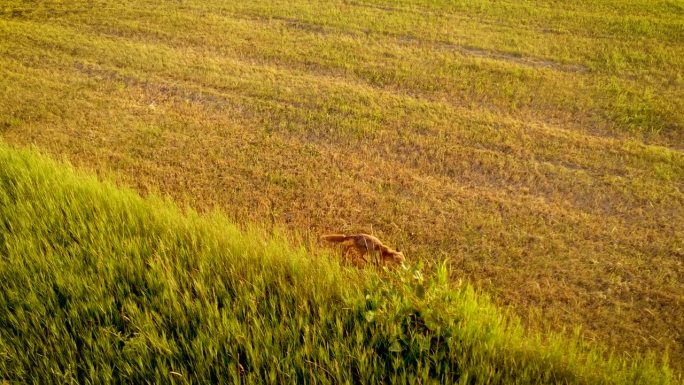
{"x":334,"y":237}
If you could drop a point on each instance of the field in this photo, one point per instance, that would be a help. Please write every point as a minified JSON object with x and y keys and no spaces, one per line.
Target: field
{"x":101,"y":286}
{"x":536,"y":146}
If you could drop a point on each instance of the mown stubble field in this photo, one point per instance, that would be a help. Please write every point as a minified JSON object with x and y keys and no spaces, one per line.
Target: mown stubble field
{"x":535,"y":145}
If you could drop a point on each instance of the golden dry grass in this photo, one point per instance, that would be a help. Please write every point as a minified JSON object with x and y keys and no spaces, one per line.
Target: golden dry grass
{"x":537,"y":146}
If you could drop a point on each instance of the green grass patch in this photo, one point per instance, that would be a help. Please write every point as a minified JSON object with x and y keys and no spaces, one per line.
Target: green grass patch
{"x":100,"y":285}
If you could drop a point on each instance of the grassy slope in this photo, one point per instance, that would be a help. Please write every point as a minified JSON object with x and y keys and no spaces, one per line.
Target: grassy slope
{"x":538,"y":145}
{"x":97,"y":284}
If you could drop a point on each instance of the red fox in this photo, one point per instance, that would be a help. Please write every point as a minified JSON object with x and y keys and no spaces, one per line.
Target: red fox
{"x":364,"y":243}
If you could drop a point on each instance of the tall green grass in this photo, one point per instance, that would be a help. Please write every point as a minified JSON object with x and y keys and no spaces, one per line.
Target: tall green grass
{"x":99,"y":285}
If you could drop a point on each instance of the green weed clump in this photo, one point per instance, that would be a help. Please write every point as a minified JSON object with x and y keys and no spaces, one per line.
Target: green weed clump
{"x":99,"y":285}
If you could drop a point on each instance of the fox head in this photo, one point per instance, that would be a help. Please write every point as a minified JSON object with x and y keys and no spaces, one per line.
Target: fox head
{"x":396,"y":257}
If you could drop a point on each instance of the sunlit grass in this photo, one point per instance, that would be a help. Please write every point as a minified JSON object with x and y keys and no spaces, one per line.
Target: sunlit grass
{"x":535,"y":145}
{"x":99,"y":285}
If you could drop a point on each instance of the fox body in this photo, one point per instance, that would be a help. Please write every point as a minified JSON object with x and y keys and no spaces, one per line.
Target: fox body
{"x":364,"y":244}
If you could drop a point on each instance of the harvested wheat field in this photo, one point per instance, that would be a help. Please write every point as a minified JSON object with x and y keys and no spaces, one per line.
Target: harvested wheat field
{"x":537,"y":146}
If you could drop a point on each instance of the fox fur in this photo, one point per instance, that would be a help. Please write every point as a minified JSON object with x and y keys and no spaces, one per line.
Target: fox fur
{"x":363,"y":244}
